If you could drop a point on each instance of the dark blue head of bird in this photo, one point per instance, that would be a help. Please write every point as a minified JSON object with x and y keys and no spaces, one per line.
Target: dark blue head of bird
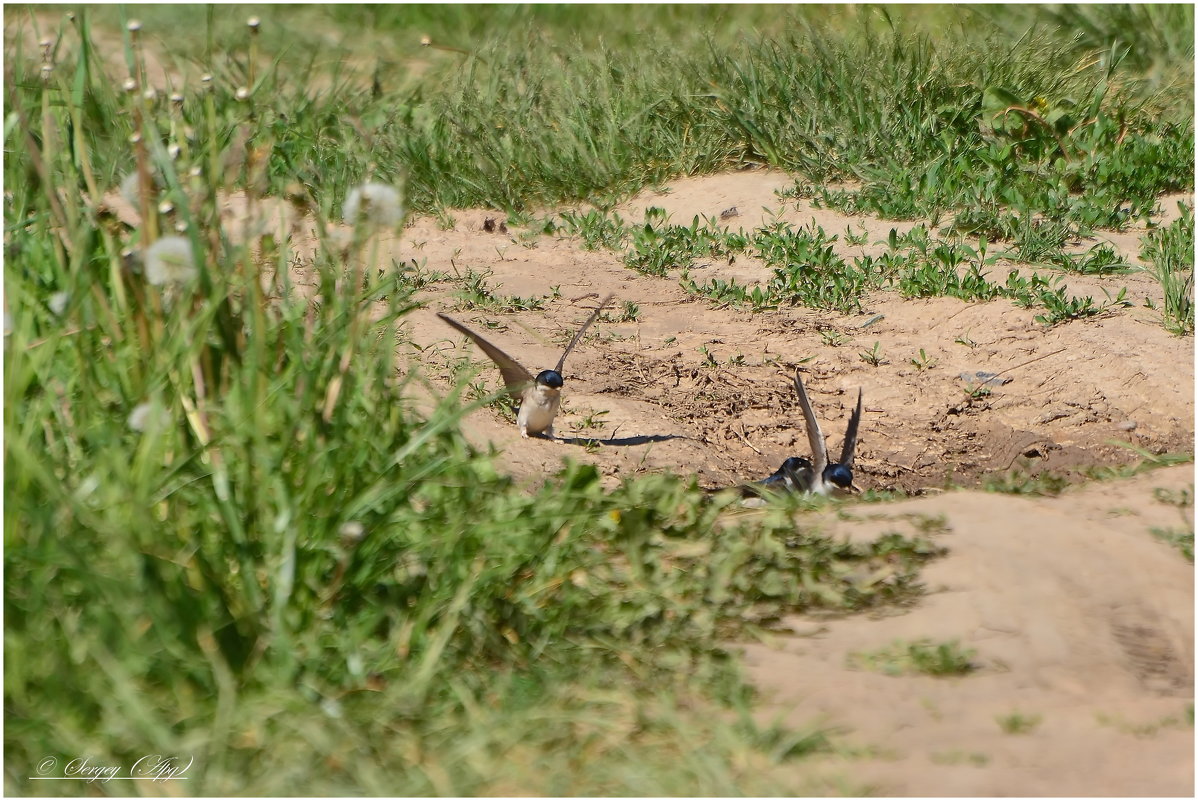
{"x":792,"y":465}
{"x":838,"y":475}
{"x":550,"y":378}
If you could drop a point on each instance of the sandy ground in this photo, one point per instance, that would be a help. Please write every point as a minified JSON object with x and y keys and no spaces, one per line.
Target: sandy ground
{"x":1079,"y":617}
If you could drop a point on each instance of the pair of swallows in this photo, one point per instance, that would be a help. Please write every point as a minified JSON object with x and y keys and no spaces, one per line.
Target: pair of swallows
{"x":540,"y":398}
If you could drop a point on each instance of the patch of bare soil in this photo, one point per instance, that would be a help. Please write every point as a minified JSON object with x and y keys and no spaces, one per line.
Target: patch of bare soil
{"x":691,"y":388}
{"x":1081,"y":623}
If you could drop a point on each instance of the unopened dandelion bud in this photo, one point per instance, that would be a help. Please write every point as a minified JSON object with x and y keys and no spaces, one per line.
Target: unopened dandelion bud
{"x":129,"y":85}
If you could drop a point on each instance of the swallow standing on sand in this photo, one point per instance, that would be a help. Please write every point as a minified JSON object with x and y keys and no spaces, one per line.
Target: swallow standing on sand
{"x":539,"y":397}
{"x":798,"y":474}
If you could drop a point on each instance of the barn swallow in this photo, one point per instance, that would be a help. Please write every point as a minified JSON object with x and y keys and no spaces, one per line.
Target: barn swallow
{"x":792,"y":476}
{"x":822,"y":477}
{"x":539,"y":397}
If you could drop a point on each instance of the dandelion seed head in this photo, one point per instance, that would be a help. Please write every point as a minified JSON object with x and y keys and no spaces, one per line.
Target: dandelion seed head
{"x":195,"y":172}
{"x":148,"y":416}
{"x":253,"y":22}
{"x":377,"y":204}
{"x":58,"y":302}
{"x":242,"y":93}
{"x":172,"y":150}
{"x":205,"y":78}
{"x":133,"y":26}
{"x":351,"y":532}
{"x":47,"y":43}
{"x":170,"y":261}
{"x":131,"y":188}
{"x":176,"y":97}
{"x":150,"y":94}
{"x":46,"y":70}
{"x":181,"y":227}
{"x":166,"y":207}
{"x":129,"y":85}
{"x":426,"y":40}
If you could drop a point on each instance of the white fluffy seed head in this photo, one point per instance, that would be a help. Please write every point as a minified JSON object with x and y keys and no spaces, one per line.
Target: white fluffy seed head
{"x":58,"y":303}
{"x":148,"y":416}
{"x":170,"y":261}
{"x":253,"y":22}
{"x":129,"y":85}
{"x":376,"y":204}
{"x":134,"y":25}
{"x":243,"y":93}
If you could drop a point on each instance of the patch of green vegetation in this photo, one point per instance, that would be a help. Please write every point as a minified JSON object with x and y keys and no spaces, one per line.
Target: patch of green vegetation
{"x":1179,"y":538}
{"x":1170,"y":250}
{"x":958,"y":757}
{"x":923,"y":657}
{"x":1149,"y":728}
{"x":475,"y":294}
{"x":1018,"y":723}
{"x":1021,"y":482}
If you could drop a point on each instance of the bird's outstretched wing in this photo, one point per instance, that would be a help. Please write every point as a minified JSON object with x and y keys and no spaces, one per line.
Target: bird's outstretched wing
{"x":515,"y":377}
{"x":819,"y":449}
{"x":562,"y":361}
{"x":850,"y":436}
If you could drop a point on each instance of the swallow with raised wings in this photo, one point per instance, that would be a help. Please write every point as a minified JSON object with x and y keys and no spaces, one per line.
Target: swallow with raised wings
{"x":540,"y":396}
{"x":820,"y":477}
{"x":824,"y":477}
